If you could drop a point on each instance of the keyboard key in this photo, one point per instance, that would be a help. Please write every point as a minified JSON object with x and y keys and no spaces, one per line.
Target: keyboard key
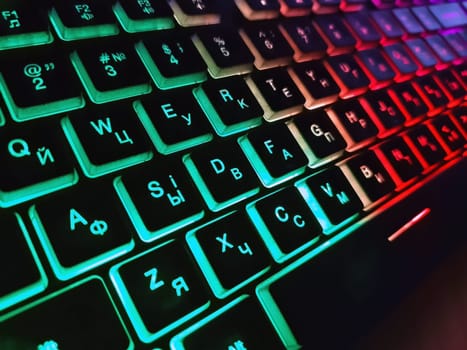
{"x":276,"y":92}
{"x":285,"y":223}
{"x":387,"y":23}
{"x":23,"y":23}
{"x":192,"y":13}
{"x":141,"y":16}
{"x":425,"y":146}
{"x":35,"y":161}
{"x":80,"y":21}
{"x":457,"y":43}
{"x":22,"y":274}
{"x":363,"y":29}
{"x":441,"y":48}
{"x":227,"y":329}
{"x":172,"y":60}
{"x":267,"y":44}
{"x":274,"y":154}
{"x":173,"y":120}
{"x":448,"y":134}
{"x":160,"y":289}
{"x":315,"y":83}
{"x":409,"y":102}
{"x":402,"y":61}
{"x":79,"y":233}
{"x":460,"y":119}
{"x":258,"y":9}
{"x":111,"y":72}
{"x":376,"y":66}
{"x":335,"y":34}
{"x":229,"y":104}
{"x":426,"y":18}
{"x":348,"y":75}
{"x":408,"y":21}
{"x":294,"y":8}
{"x":325,"y":6}
{"x":449,"y":15}
{"x":105,"y":139}
{"x":331,"y":198}
{"x":222,"y":174}
{"x":318,"y":137}
{"x":423,"y":54}
{"x":33,"y":86}
{"x":229,"y":252}
{"x":224,"y":52}
{"x":91,"y":308}
{"x":431,"y":94}
{"x":451,"y":86}
{"x":304,"y":39}
{"x":159,"y":188}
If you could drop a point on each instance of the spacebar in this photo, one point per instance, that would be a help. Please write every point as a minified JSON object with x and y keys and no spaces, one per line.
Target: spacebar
{"x":332,"y":299}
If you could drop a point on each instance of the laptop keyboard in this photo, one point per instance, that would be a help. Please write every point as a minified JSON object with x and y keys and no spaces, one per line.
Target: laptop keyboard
{"x":169,"y":168}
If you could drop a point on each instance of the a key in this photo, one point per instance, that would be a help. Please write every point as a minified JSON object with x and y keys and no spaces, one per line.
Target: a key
{"x":335,"y":34}
{"x":164,"y":282}
{"x":449,"y":15}
{"x":222,"y":174}
{"x":258,"y":9}
{"x":159,"y":188}
{"x":304,"y":39}
{"x":448,"y":134}
{"x":141,"y":16}
{"x":369,"y":178}
{"x":408,"y":21}
{"x":353,"y":123}
{"x":402,"y":61}
{"x":388,"y":25}
{"x":224,"y":52}
{"x":172,"y":60}
{"x":441,"y":48}
{"x":79,"y":232}
{"x":227,"y":329}
{"x":431,"y":93}
{"x":111,"y":72}
{"x":229,"y":104}
{"x":276,"y":92}
{"x":409,"y":101}
{"x":195,"y":12}
{"x":35,"y":161}
{"x":74,"y":21}
{"x":229,"y":251}
{"x":32,"y":86}
{"x":451,"y":86}
{"x":376,"y":66}
{"x":425,"y":146}
{"x":348,"y":75}
{"x":315,"y":83}
{"x":363,"y":29}
{"x":274,"y":154}
{"x":285,"y":223}
{"x":331,"y":198}
{"x":267,"y":44}
{"x":426,"y":18}
{"x":295,"y":8}
{"x":23,"y":23}
{"x":423,"y":54}
{"x":173,"y":120}
{"x":107,"y":138}
{"x":23,"y":275}
{"x":91,"y":308}
{"x":318,"y":137}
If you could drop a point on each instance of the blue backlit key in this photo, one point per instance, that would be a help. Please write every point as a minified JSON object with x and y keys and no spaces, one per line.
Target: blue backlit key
{"x":387,"y":24}
{"x":400,"y":57}
{"x":335,"y":33}
{"x":423,"y":54}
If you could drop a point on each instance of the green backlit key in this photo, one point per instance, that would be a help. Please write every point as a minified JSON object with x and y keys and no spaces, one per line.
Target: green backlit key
{"x":159,"y":188}
{"x":93,"y":18}
{"x":22,"y":272}
{"x":35,"y":160}
{"x":81,"y":316}
{"x":195,"y":12}
{"x":229,"y":252}
{"x":160,"y":289}
{"x":107,"y":138}
{"x":79,"y":232}
{"x":32,"y":85}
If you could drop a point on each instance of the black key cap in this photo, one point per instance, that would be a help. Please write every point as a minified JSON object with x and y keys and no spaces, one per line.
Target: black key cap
{"x":229,"y":252}
{"x":74,"y":21}
{"x":448,"y":133}
{"x":457,"y":42}
{"x":409,"y":101}
{"x":79,"y":233}
{"x":423,"y":54}
{"x":460,"y":118}
{"x":107,"y":138}
{"x":376,"y":66}
{"x":173,"y":120}
{"x":432,"y":94}
{"x":276,"y":92}
{"x":267,"y":44}
{"x":426,"y":18}
{"x":449,"y":15}
{"x":23,"y":23}
{"x":304,"y":39}
{"x":258,"y":9}
{"x":335,"y":34}
{"x":425,"y":146}
{"x":35,"y":161}
{"x":162,"y":282}
{"x":224,"y":52}
{"x":331,"y":198}
{"x":227,"y":329}
{"x":285,"y":222}
{"x":140,"y":16}
{"x":451,"y":86}
{"x":363,"y":29}
{"x":291,"y":8}
{"x":318,"y":137}
{"x":159,"y":188}
{"x":22,"y":274}
{"x":388,"y":25}
{"x":195,"y":12}
{"x":385,"y":113}
{"x":222,"y":174}
{"x":348,"y":75}
{"x":274,"y":154}
{"x":408,"y":21}
{"x":441,"y":48}
{"x":315,"y":83}
{"x":90,"y":305}
{"x":33,"y":86}
{"x":172,"y":60}
{"x":369,"y":178}
{"x":229,"y":104}
{"x":110,"y":72}
{"x":401,"y":59}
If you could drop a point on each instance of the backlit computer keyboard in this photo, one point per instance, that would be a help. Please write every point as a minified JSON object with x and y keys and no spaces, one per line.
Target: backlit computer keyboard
{"x":169,"y":170}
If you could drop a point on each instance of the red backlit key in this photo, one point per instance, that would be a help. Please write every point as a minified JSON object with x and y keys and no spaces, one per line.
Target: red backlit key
{"x":431,"y":93}
{"x":409,"y":101}
{"x":363,"y":29}
{"x":335,"y":33}
{"x":451,"y":86}
{"x":425,"y":146}
{"x":448,"y":134}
